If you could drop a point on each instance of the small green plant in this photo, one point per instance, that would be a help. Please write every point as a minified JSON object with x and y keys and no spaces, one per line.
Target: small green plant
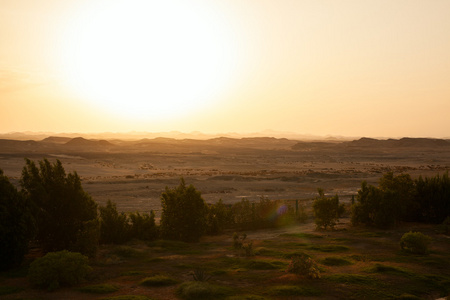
{"x":200,"y":275}
{"x":304,"y":265}
{"x":196,"y":290}
{"x":415,"y":242}
{"x":239,"y":243}
{"x":158,"y":280}
{"x":99,"y":289}
{"x":6,"y":290}
{"x":288,"y":290}
{"x":128,"y":297}
{"x":57,"y":269}
{"x":335,"y":261}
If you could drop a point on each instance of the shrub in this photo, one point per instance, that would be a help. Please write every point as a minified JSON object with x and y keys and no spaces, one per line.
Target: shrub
{"x":326,"y":210}
{"x":415,"y":242}
{"x":57,"y":269}
{"x":158,"y":280}
{"x":114,"y":227}
{"x":200,"y":275}
{"x":288,"y":290}
{"x":304,"y":265}
{"x":16,"y":224}
{"x":183,"y":214}
{"x":335,"y":261}
{"x":244,"y":247}
{"x":143,"y":226}
{"x":99,"y":289}
{"x":62,"y":206}
{"x":201,"y":290}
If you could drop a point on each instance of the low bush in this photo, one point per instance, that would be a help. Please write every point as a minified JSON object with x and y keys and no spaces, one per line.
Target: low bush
{"x":335,"y":261}
{"x":128,"y":297}
{"x":197,"y":290}
{"x":99,"y":289}
{"x":57,"y":269}
{"x":7,"y":290}
{"x":415,"y":242}
{"x":304,"y":265}
{"x":290,"y":290}
{"x":158,"y":280}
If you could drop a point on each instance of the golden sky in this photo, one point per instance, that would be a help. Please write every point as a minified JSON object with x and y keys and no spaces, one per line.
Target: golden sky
{"x":376,"y":68}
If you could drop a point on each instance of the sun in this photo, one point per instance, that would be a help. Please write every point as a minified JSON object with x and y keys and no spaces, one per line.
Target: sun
{"x":148,"y":59}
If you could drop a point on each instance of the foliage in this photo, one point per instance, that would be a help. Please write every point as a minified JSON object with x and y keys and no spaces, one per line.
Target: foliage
{"x":400,"y":198}
{"x":114,"y":227}
{"x":291,"y":290}
{"x":200,"y":275}
{"x":143,"y":226}
{"x":415,"y":242}
{"x":183,"y":213}
{"x":57,"y":269}
{"x":244,"y":247}
{"x":303,"y":265}
{"x":63,"y":208}
{"x":158,"y":280}
{"x":373,"y":207}
{"x":201,"y":290}
{"x":433,"y":198}
{"x":218,"y":217}
{"x":326,"y":210}
{"x":128,"y":297}
{"x":336,"y":261}
{"x":16,"y":224}
{"x":99,"y":289}
{"x":7,"y":290}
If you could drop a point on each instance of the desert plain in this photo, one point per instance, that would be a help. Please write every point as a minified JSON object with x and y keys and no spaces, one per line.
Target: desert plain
{"x":134,"y":173}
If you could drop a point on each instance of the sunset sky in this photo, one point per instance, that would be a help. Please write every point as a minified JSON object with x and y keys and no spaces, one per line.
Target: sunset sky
{"x":376,"y":68}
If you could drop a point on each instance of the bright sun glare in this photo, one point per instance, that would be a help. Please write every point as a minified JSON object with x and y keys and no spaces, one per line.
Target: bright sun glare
{"x":148,"y":59}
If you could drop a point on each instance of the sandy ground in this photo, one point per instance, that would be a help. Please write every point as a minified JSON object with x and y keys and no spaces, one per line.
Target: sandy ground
{"x":134,"y":180}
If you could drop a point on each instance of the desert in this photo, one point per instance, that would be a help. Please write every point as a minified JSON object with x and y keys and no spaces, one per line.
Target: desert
{"x":133,"y":174}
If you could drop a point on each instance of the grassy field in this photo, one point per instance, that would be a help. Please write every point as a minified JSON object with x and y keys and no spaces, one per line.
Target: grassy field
{"x":354,"y":263}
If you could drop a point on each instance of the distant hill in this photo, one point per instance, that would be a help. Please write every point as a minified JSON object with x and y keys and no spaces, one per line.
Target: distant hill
{"x":404,"y":142}
{"x":82,"y":142}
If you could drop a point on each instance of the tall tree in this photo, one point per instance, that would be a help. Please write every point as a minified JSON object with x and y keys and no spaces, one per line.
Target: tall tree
{"x":16,"y":224}
{"x":183,"y":213}
{"x":64,"y":209}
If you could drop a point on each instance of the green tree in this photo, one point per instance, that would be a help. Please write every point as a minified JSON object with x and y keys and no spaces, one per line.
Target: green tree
{"x":16,"y":224}
{"x":63,"y":209}
{"x":183,"y":213}
{"x":114,"y":226}
{"x":433,"y":198}
{"x":143,"y":226}
{"x":326,"y":210}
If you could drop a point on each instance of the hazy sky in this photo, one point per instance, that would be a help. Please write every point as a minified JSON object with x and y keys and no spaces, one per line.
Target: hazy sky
{"x":351,"y":67}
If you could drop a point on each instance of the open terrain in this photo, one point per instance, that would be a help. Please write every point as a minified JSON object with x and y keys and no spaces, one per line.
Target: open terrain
{"x":133,"y":174}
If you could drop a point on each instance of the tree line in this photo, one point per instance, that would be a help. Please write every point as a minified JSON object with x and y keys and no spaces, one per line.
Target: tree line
{"x":52,"y":210}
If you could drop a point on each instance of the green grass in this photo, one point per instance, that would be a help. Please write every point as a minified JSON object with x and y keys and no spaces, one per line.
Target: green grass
{"x":328,"y":248}
{"x":335,"y":261}
{"x":158,"y":280}
{"x":132,"y":273}
{"x":99,"y":289}
{"x":265,"y":265}
{"x":128,"y":297}
{"x":7,"y":290}
{"x":247,"y":297}
{"x":193,"y":290}
{"x":126,"y":252}
{"x":379,"y":268}
{"x":351,"y":279}
{"x":294,"y":290}
{"x":302,"y":235}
